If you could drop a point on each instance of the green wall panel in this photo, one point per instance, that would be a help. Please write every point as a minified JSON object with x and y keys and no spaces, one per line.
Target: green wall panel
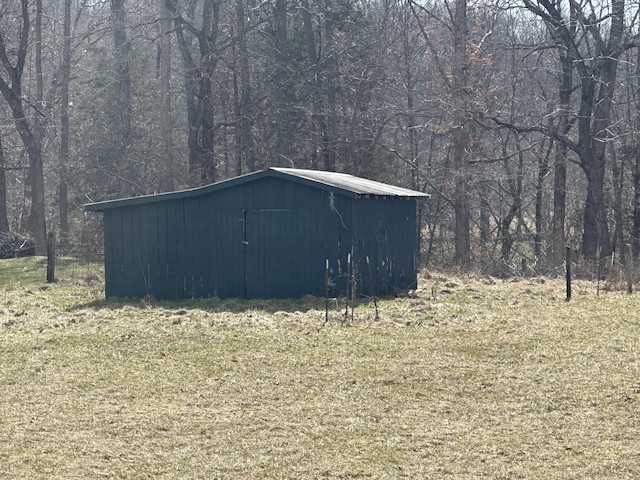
{"x":266,"y":238}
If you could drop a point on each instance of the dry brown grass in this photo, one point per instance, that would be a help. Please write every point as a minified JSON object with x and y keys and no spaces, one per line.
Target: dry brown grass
{"x":490,"y":379}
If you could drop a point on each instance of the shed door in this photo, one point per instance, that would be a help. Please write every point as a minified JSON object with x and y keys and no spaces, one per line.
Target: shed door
{"x":284,"y":254}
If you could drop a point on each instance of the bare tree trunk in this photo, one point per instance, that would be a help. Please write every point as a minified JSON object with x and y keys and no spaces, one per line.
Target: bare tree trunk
{"x":243,"y":122}
{"x":461,"y":137}
{"x":122,"y":74}
{"x":597,"y":71}
{"x":12,"y":92}
{"x":330,"y":145}
{"x":617,"y":173}
{"x":199,"y":88}
{"x":592,"y":159}
{"x":484,"y":217}
{"x":38,"y":57}
{"x":597,"y":102}
{"x":541,"y":224}
{"x":165,"y":98}
{"x":636,"y":167}
{"x":636,"y":204}
{"x":318,"y":119}
{"x":37,"y":221}
{"x":514,"y":181}
{"x":595,"y":234}
{"x":282,"y":82}
{"x":560,"y":165}
{"x":412,"y":120}
{"x":455,"y":74}
{"x":559,"y":203}
{"x":63,"y":201}
{"x":207,"y":133}
{"x":4,"y":219}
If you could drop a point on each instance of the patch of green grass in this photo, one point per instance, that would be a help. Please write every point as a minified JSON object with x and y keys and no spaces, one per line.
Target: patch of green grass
{"x":489,"y":379}
{"x":29,"y":271}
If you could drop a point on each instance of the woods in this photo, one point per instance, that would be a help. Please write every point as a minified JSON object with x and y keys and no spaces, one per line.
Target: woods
{"x":519,"y":117}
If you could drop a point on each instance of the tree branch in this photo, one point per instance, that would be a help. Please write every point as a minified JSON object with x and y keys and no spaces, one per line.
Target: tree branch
{"x":549,"y":132}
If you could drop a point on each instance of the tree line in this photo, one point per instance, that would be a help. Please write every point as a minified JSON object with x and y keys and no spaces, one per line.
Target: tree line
{"x":519,"y":117}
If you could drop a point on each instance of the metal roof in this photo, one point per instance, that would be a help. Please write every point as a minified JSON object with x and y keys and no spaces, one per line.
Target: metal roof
{"x":344,"y":181}
{"x":338,"y":182}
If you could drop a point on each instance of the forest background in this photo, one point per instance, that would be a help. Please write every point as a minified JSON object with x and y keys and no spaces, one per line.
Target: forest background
{"x":521,"y":118}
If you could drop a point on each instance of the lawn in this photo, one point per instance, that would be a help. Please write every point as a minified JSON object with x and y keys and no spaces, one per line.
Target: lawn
{"x":488,"y":379}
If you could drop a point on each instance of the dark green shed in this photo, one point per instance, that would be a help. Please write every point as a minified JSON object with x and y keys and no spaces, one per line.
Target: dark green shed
{"x":267,"y":234}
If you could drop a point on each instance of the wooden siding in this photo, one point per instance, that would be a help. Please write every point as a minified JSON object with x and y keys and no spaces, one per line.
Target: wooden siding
{"x":386,"y":234}
{"x":285,"y":253}
{"x":266,"y":238}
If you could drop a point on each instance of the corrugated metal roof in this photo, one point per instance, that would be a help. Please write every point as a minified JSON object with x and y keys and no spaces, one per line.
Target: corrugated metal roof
{"x":345,"y":181}
{"x":340,"y":182}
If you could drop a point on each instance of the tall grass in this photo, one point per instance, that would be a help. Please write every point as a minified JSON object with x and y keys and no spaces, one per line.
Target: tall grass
{"x":489,"y":379}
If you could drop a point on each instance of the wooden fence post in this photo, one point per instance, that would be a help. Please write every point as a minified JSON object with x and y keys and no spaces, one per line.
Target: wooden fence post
{"x":326,"y":290}
{"x":346,"y":309}
{"x":568,"y":271}
{"x":51,"y":258}
{"x":629,"y":269}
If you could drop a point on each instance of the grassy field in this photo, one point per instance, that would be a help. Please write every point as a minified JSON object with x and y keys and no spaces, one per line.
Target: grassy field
{"x":489,"y":379}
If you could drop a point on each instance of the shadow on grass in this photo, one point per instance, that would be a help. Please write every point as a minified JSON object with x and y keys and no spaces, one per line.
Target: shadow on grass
{"x":217,"y":305}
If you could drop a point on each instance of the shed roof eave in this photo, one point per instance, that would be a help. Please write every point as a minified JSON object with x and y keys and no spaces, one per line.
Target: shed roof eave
{"x":159,"y":197}
{"x":341,"y":183}
{"x":347,"y":184}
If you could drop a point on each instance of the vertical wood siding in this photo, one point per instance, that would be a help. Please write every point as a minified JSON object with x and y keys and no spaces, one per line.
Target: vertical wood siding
{"x":265,"y":238}
{"x":386,"y":233}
